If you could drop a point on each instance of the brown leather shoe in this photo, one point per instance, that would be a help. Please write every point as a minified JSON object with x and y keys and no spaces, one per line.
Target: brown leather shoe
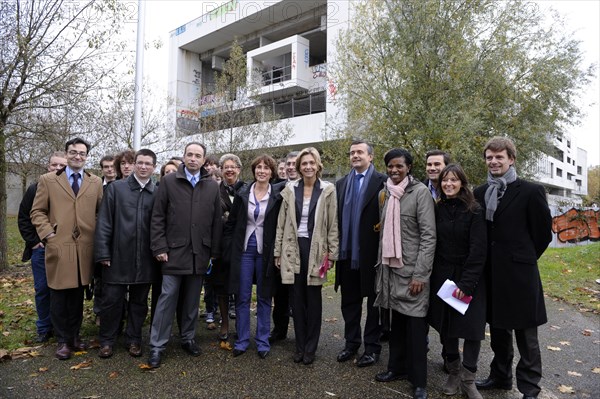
{"x":105,"y":352}
{"x":135,"y":350}
{"x":77,"y":345}
{"x":63,"y":352}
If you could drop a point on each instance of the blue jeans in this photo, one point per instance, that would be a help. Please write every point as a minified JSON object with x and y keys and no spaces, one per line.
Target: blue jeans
{"x":251,"y":265}
{"x":42,"y":292}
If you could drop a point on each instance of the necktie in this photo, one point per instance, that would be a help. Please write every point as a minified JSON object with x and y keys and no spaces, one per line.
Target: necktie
{"x":433,"y":192}
{"x":193,"y":181}
{"x":75,"y":184}
{"x":357,"y":179}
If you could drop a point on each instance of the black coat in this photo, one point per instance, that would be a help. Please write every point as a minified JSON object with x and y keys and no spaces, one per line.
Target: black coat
{"x":518,"y":236}
{"x":186,"y":223}
{"x":123,"y":233}
{"x":26,"y":228}
{"x":460,"y":256}
{"x":369,"y":231}
{"x":235,"y":233}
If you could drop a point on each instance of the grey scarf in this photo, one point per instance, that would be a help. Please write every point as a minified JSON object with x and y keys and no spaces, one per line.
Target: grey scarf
{"x":496,"y":189}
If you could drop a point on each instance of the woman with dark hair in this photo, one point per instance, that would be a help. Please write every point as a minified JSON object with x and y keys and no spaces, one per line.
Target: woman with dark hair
{"x":406,"y":251}
{"x":460,"y":257}
{"x":306,"y":245}
{"x":169,"y":167}
{"x":250,"y":235}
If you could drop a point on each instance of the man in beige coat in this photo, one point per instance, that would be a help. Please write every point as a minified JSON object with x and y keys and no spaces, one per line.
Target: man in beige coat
{"x":64,"y":215}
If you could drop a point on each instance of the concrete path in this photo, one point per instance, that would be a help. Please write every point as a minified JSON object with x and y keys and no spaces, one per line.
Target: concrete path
{"x":570,"y":345}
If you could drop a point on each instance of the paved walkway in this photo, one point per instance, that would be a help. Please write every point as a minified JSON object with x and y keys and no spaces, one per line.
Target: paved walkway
{"x":570,"y":351}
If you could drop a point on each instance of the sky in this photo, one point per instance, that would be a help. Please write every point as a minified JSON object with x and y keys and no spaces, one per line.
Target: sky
{"x":581,"y":16}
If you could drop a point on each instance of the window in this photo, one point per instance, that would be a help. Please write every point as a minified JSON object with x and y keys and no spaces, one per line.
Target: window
{"x":558,"y":172}
{"x":579,"y":170}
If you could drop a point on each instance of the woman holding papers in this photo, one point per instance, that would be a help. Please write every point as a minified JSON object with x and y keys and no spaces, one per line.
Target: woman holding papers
{"x":460,"y":257}
{"x":306,"y":245}
{"x":407,"y":248}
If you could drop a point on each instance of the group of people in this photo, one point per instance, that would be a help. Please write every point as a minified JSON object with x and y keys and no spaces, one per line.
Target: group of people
{"x":393,"y":240}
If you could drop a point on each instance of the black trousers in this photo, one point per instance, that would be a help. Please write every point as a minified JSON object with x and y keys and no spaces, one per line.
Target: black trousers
{"x":529,"y":367}
{"x":307,"y":305}
{"x":352,"y":301}
{"x":281,"y":307}
{"x":408,"y":348}
{"x":66,"y":313}
{"x":115,"y":298}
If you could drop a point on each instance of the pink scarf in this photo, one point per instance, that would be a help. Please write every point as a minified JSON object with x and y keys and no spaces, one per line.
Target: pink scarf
{"x":391,"y":242}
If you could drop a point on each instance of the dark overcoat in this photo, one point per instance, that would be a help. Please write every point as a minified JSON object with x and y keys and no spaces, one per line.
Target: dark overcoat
{"x":186,"y":223}
{"x":369,"y":231}
{"x":518,"y":236}
{"x":26,"y":228}
{"x":460,"y":256}
{"x":235,"y":234}
{"x":123,"y":233}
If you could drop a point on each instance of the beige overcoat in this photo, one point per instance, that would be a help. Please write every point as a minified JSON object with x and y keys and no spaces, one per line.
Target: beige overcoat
{"x":73,"y":220}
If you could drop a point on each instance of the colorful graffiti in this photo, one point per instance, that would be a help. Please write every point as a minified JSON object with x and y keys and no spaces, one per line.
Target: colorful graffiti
{"x":319,"y":71}
{"x":576,"y":225}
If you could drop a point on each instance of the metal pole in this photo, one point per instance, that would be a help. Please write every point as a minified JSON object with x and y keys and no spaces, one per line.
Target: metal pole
{"x":139,"y":76}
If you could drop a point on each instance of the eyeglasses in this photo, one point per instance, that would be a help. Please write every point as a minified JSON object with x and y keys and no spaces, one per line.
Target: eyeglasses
{"x":74,"y":153}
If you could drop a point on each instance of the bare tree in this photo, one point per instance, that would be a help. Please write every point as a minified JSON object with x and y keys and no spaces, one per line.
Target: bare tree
{"x":53,"y":55}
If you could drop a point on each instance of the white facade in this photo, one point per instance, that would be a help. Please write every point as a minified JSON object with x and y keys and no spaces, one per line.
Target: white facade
{"x":565,"y":173}
{"x":288,"y":46}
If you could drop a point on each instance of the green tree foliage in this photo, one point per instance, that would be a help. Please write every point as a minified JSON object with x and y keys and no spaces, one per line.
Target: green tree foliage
{"x":593,"y":196}
{"x":450,"y":74}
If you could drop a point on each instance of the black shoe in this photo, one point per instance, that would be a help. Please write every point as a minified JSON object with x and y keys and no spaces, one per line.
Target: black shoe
{"x":154,"y":359}
{"x":191,"y":348}
{"x":238,"y":352}
{"x":298,"y":356}
{"x":368,"y":359}
{"x":420,"y":393}
{"x":492,"y":383}
{"x":263,"y":354}
{"x":388,"y":376}
{"x":43,"y":337}
{"x":277,"y":336}
{"x":308,"y":358}
{"x":345,"y":355}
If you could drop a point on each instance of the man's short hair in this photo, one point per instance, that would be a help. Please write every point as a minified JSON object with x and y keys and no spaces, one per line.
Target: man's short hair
{"x":446,"y":156}
{"x":498,"y":144}
{"x":147,"y":153}
{"x":292,"y":154}
{"x":195,"y":143}
{"x":211,"y":160}
{"x":230,"y":157}
{"x":77,"y":140}
{"x":369,"y":146}
{"x":58,"y":154}
{"x":106,"y":158}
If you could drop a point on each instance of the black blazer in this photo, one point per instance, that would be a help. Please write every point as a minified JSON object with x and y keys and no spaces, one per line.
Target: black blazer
{"x":369,"y":231}
{"x":235,"y":232}
{"x":26,"y":228}
{"x":518,"y":236}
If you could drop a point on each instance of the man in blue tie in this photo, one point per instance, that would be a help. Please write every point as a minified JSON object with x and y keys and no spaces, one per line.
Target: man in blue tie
{"x":436,"y":161}
{"x":358,"y":219}
{"x":185,"y":236}
{"x":64,"y":215}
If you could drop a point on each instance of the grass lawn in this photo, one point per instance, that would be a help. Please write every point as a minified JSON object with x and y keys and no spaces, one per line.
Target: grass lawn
{"x":568,"y":274}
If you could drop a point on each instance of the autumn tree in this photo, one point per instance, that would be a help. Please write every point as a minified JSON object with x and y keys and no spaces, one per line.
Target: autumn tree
{"x":54,"y":55}
{"x":593,"y":196}
{"x":237,"y":121}
{"x":425,"y":74}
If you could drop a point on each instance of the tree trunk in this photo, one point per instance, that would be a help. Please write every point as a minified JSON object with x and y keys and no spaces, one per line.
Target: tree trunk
{"x":3,"y":210}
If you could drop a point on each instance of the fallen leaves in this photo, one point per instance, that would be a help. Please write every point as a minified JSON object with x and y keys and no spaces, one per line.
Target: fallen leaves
{"x":596,"y":370}
{"x":565,"y":389}
{"x":553,"y":348}
{"x":85,"y":365}
{"x":563,"y":343}
{"x":331,"y":320}
{"x":574,"y":373}
{"x":113,"y":374}
{"x":145,"y":367}
{"x":226,"y":345}
{"x":587,"y":332}
{"x":21,"y":353}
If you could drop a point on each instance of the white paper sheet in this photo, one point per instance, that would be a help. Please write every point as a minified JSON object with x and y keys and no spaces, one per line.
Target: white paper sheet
{"x":445,"y":292}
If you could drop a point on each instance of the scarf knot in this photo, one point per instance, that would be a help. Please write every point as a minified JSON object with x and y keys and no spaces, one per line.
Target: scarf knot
{"x":496,"y":189}
{"x":391,"y":240}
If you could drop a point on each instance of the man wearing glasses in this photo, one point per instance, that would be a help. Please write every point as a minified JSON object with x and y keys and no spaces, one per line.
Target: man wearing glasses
{"x":64,"y":215}
{"x":122,"y":247}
